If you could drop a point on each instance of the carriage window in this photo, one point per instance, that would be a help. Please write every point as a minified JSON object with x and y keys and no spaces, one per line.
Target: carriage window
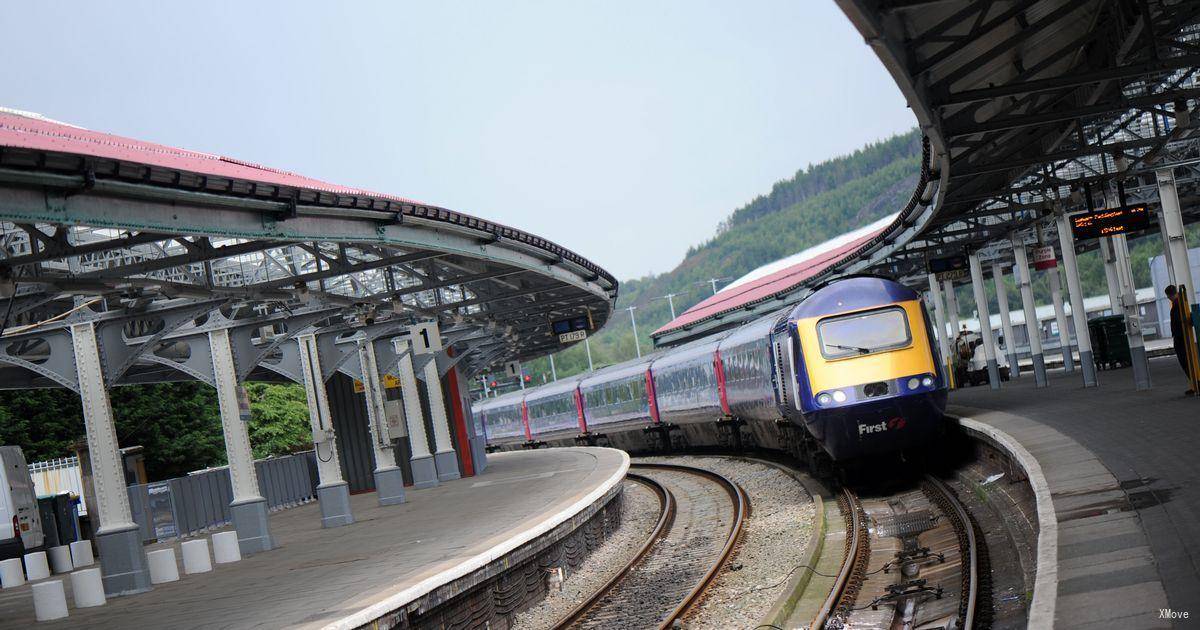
{"x":864,"y":333}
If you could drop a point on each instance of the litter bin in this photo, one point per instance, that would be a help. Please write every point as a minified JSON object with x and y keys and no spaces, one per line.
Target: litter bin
{"x":60,"y":519}
{"x":1110,"y":344}
{"x":49,"y":521}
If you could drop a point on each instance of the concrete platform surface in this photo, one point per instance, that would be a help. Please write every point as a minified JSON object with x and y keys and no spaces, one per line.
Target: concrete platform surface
{"x":1124,"y":471}
{"x":387,"y":556}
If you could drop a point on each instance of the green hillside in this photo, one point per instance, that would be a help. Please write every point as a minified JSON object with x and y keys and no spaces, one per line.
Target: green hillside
{"x":818,"y":203}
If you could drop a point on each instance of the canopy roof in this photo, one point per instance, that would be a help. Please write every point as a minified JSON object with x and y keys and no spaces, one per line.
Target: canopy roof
{"x":124,"y":224}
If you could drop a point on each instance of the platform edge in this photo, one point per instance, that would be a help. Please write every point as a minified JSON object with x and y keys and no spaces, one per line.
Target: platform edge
{"x":1045,"y":581}
{"x":374,"y":611}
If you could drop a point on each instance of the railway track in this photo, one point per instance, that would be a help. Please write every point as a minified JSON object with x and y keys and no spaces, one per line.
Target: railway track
{"x":701,"y":519}
{"x":911,"y":560}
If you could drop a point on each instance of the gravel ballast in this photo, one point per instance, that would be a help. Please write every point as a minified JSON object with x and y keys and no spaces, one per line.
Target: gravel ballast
{"x":772,"y":544}
{"x":641,"y":511}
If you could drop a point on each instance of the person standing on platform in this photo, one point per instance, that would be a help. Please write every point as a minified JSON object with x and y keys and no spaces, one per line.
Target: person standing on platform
{"x":1177,"y":337}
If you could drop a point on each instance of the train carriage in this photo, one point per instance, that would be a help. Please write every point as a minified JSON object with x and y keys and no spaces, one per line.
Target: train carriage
{"x":554,"y":410}
{"x":618,"y":396}
{"x":503,"y":419}
{"x":686,"y":383}
{"x":749,"y":375}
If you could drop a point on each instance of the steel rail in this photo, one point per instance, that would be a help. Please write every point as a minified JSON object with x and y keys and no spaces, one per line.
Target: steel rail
{"x":965,"y":529}
{"x":666,"y":518}
{"x":844,"y":590}
{"x":741,"y":510}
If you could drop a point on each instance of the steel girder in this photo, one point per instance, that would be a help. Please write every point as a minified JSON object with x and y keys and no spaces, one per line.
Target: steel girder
{"x":130,"y":237}
{"x":1026,"y":101}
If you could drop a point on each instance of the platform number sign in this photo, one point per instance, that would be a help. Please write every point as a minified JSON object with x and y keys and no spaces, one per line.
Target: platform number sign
{"x":949,"y":268}
{"x":573,"y":329}
{"x":512,"y":369}
{"x":425,"y":338}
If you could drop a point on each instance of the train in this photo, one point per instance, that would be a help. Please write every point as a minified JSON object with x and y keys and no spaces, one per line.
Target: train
{"x":848,"y":374}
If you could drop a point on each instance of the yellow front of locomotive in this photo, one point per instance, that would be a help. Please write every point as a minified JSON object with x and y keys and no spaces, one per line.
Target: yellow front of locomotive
{"x":867,"y":373}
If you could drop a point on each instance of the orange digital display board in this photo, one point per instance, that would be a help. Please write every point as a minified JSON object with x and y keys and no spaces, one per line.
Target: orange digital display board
{"x":1109,"y":222}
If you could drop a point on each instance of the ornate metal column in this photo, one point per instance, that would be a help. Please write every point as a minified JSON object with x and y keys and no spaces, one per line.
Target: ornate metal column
{"x":985,"y":320}
{"x":249,"y":508}
{"x":423,"y":468}
{"x":1032,"y":329}
{"x":1083,"y":338}
{"x":389,"y":480}
{"x":939,"y":317}
{"x":1060,"y":317}
{"x":118,"y":538}
{"x":1010,"y":345}
{"x":332,"y":492}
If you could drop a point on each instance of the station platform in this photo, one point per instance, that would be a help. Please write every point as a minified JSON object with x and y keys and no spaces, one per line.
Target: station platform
{"x":1123,"y":470}
{"x":387,"y":559}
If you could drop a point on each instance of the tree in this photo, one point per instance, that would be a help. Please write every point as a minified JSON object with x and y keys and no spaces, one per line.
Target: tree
{"x":278,"y":419}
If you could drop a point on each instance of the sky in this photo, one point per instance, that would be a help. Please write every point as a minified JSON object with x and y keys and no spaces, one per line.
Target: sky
{"x":623,"y":130}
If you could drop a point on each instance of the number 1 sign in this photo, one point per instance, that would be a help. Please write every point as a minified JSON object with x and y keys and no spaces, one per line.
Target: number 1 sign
{"x":425,"y":338}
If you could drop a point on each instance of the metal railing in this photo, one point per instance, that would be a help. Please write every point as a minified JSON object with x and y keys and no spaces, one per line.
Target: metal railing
{"x":199,"y":502}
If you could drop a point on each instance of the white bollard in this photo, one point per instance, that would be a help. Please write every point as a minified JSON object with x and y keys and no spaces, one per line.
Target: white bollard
{"x":195,"y":556}
{"x":36,"y":567}
{"x":162,"y":566}
{"x":49,"y":600}
{"x":87,"y":588}
{"x":11,"y":573}
{"x":60,"y":559}
{"x":81,"y":554}
{"x":225,"y":547}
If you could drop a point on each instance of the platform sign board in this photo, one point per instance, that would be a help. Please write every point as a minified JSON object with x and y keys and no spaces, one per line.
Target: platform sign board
{"x":425,"y":338}
{"x":572,"y":329}
{"x":574,"y":335}
{"x":949,"y":268}
{"x":1109,"y":222}
{"x":512,"y":369}
{"x":1043,"y":258}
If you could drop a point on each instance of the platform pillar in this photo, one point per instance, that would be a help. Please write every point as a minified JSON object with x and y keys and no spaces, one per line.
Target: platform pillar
{"x":1133,"y":317}
{"x":333,"y":492}
{"x":985,"y":320}
{"x":249,"y":507}
{"x":1010,"y":346}
{"x":1032,"y":330}
{"x":1060,"y":317}
{"x":1083,"y":338}
{"x":939,"y":317}
{"x":122,"y":560}
{"x":424,"y":470}
{"x":389,"y":479}
{"x":445,"y":459}
{"x":951,"y":310}
{"x":1175,"y":243}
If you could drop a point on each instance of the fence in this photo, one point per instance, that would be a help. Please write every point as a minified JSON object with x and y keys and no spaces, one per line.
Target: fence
{"x":56,"y":476}
{"x":184,"y":506}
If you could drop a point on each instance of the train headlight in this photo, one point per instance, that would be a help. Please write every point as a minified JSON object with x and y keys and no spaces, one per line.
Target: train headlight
{"x":824,"y":399}
{"x":839,"y":396}
{"x":927,"y":381}
{"x":914,"y":383}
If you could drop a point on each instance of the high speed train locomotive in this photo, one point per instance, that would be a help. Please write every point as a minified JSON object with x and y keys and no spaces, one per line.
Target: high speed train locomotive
{"x":848,"y":373}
